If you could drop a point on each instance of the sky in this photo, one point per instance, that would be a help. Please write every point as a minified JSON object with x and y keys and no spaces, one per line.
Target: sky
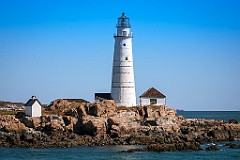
{"x":188,"y":50}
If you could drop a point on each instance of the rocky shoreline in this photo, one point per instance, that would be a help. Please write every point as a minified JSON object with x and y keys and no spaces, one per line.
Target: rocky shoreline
{"x":101,"y":124}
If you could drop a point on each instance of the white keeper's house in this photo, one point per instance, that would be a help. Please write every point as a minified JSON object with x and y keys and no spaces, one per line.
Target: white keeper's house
{"x":33,"y":107}
{"x":152,"y":97}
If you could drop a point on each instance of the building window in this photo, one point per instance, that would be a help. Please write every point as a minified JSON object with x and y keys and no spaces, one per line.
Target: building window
{"x":153,"y":101}
{"x":126,"y":58}
{"x":124,"y":44}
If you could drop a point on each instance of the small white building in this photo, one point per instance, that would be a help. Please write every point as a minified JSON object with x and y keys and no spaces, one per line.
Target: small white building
{"x":152,"y":97}
{"x":33,"y":107}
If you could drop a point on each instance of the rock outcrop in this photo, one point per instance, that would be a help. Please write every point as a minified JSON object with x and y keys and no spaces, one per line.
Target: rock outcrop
{"x":212,"y":148}
{"x":184,"y":146}
{"x":10,"y":123}
{"x":231,"y":145}
{"x":66,"y":124}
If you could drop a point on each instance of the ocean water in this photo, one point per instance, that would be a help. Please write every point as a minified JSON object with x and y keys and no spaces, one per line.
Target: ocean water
{"x":114,"y":152}
{"x":219,"y":115}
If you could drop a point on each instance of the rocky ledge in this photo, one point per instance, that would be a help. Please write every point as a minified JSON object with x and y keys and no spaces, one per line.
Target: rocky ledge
{"x":66,"y":124}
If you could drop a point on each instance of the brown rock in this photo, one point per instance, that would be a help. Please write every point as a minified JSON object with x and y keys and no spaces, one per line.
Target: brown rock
{"x":70,"y":123}
{"x":234,"y":121}
{"x":82,"y":111}
{"x":96,"y":109}
{"x":32,"y":122}
{"x":173,"y":147}
{"x":231,"y":145}
{"x":15,"y":127}
{"x":94,"y":126}
{"x":212,"y":148}
{"x":10,"y":123}
{"x":105,"y":108}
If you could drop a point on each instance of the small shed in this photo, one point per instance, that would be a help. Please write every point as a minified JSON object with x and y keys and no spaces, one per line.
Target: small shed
{"x":33,"y":107}
{"x":152,"y":97}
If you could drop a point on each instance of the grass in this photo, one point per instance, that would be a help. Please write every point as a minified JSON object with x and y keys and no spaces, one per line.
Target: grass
{"x":134,"y":108}
{"x":55,"y":112}
{"x":7,"y":112}
{"x":76,"y":104}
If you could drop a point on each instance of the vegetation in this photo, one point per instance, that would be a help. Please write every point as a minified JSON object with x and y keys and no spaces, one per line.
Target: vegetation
{"x":54,"y":112}
{"x":9,"y":112}
{"x":76,"y":104}
{"x":3,"y":103}
{"x":134,"y":108}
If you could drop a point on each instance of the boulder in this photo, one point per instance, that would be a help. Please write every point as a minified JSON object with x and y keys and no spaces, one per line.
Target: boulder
{"x":70,"y":123}
{"x":14,"y":127}
{"x":94,"y":126}
{"x":174,"y":147}
{"x":81,"y":110}
{"x":135,"y":150}
{"x":102,"y":109}
{"x":96,"y":110}
{"x":59,"y":105}
{"x":73,"y":112}
{"x":9,"y":123}
{"x":231,"y":145}
{"x":32,"y":122}
{"x":212,"y":148}
{"x":234,"y":121}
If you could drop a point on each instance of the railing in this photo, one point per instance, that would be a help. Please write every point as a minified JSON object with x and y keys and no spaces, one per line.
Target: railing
{"x":123,"y":35}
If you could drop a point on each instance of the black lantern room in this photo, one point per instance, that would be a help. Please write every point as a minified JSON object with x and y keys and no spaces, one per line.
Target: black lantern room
{"x":123,"y":21}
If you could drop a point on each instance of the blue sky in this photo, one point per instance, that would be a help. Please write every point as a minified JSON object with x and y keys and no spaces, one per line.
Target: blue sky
{"x":189,"y":50}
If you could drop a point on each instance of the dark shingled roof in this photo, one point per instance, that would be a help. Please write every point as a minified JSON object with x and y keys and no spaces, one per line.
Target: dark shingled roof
{"x":103,"y":96}
{"x":152,"y":92}
{"x":30,"y":102}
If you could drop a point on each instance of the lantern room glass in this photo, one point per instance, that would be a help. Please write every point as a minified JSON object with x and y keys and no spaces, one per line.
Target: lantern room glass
{"x":123,"y":21}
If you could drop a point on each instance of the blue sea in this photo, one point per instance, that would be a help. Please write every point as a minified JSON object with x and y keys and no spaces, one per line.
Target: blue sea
{"x":114,"y":152}
{"x":219,"y":115}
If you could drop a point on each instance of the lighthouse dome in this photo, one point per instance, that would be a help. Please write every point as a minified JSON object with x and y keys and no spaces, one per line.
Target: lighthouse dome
{"x":123,"y":21}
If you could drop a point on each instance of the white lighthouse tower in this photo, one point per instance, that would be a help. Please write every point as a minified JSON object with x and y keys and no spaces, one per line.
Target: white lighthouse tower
{"x":123,"y":86}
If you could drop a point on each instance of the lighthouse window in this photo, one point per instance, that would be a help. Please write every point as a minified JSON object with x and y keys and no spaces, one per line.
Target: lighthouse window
{"x":126,"y":58}
{"x":124,"y":44}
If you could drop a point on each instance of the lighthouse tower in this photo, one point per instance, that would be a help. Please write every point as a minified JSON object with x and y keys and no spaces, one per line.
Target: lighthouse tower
{"x":123,"y":86}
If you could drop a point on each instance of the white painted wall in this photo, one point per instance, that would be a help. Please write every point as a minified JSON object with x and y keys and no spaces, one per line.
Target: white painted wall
{"x":144,"y":101}
{"x":161,"y":101}
{"x":123,"y":85}
{"x":34,"y":111}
